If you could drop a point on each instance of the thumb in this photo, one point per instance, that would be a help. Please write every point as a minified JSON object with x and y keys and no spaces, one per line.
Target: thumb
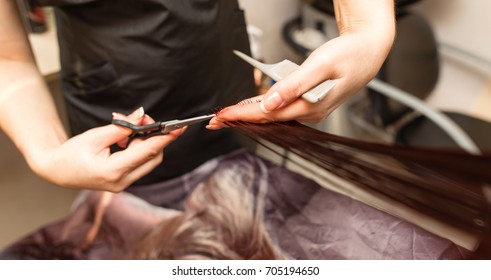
{"x":284,"y":92}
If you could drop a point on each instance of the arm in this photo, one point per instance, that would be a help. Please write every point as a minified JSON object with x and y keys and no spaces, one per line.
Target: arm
{"x":367,"y":31}
{"x":29,"y":117}
{"x":24,"y":96}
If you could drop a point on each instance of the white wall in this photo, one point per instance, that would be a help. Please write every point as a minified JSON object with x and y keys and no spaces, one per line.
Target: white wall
{"x":464,"y":84}
{"x":464,"y":23}
{"x":270,"y":16}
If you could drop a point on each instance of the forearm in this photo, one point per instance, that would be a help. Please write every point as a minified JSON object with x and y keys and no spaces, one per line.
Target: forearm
{"x":371,"y":17}
{"x":27,"y":112}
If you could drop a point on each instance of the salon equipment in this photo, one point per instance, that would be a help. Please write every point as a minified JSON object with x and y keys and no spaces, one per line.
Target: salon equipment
{"x":159,"y":128}
{"x":412,"y":69}
{"x":280,"y":70}
{"x":394,"y":109}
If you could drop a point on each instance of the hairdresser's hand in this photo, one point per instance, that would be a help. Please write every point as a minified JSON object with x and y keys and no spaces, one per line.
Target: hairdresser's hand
{"x":351,"y":60}
{"x":85,"y":161}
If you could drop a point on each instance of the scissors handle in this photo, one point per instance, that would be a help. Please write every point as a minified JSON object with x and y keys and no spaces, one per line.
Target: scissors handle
{"x":142,"y":131}
{"x":138,"y":128}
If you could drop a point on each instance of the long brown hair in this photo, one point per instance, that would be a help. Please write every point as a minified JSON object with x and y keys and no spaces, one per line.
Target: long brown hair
{"x":446,"y":184}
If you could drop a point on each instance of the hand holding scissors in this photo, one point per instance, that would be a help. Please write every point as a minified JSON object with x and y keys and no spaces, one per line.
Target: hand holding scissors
{"x":159,"y":127}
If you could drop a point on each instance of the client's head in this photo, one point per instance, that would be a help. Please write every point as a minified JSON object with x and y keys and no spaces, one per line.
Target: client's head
{"x":222,"y":220}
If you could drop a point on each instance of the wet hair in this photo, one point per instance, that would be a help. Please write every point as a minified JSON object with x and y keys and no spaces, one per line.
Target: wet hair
{"x":222,"y":220}
{"x":224,"y":217}
{"x":446,"y":184}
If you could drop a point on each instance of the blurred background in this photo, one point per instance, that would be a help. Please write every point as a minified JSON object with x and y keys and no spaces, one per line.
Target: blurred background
{"x":442,"y":56}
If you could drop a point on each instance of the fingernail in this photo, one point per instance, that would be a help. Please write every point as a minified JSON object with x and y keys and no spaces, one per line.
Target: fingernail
{"x":141,"y":112}
{"x":182,"y":130}
{"x":118,"y":115}
{"x":214,"y":127}
{"x":214,"y":121}
{"x":138,"y":113}
{"x":271,"y":102}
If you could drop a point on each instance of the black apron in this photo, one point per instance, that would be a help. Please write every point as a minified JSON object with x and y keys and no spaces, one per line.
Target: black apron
{"x":173,"y":57}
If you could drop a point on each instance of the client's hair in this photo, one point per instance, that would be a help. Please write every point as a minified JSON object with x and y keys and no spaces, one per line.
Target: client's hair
{"x":450,"y":185}
{"x":222,"y":220}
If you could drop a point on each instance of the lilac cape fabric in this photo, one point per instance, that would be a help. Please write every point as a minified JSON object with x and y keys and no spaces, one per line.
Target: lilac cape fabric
{"x":305,"y":220}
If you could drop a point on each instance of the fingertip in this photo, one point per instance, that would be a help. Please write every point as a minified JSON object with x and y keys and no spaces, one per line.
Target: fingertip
{"x":249,"y":112}
{"x":118,"y":116}
{"x":226,"y":114}
{"x":220,"y":113}
{"x":137,"y":114}
{"x":178,"y":132}
{"x":147,"y":120}
{"x":215,"y":121}
{"x":137,"y":117}
{"x":214,"y":127}
{"x":123,"y":143}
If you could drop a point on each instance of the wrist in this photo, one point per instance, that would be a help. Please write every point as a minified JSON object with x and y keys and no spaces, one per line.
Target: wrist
{"x":41,"y":156}
{"x":374,"y":18}
{"x":42,"y":163}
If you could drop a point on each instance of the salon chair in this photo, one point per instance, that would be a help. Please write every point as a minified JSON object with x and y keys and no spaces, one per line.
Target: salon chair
{"x":411,"y":72}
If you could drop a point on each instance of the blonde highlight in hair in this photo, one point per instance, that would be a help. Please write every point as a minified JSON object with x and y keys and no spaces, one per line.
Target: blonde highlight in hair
{"x":222,"y":220}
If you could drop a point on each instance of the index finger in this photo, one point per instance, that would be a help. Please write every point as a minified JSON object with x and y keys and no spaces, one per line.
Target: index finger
{"x":253,"y":113}
{"x":140,"y":152}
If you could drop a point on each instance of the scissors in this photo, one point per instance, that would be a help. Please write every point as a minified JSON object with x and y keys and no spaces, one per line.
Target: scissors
{"x":280,"y":70}
{"x":159,"y":128}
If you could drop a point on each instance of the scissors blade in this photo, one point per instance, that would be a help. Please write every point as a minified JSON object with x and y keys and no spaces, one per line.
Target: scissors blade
{"x":169,"y":126}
